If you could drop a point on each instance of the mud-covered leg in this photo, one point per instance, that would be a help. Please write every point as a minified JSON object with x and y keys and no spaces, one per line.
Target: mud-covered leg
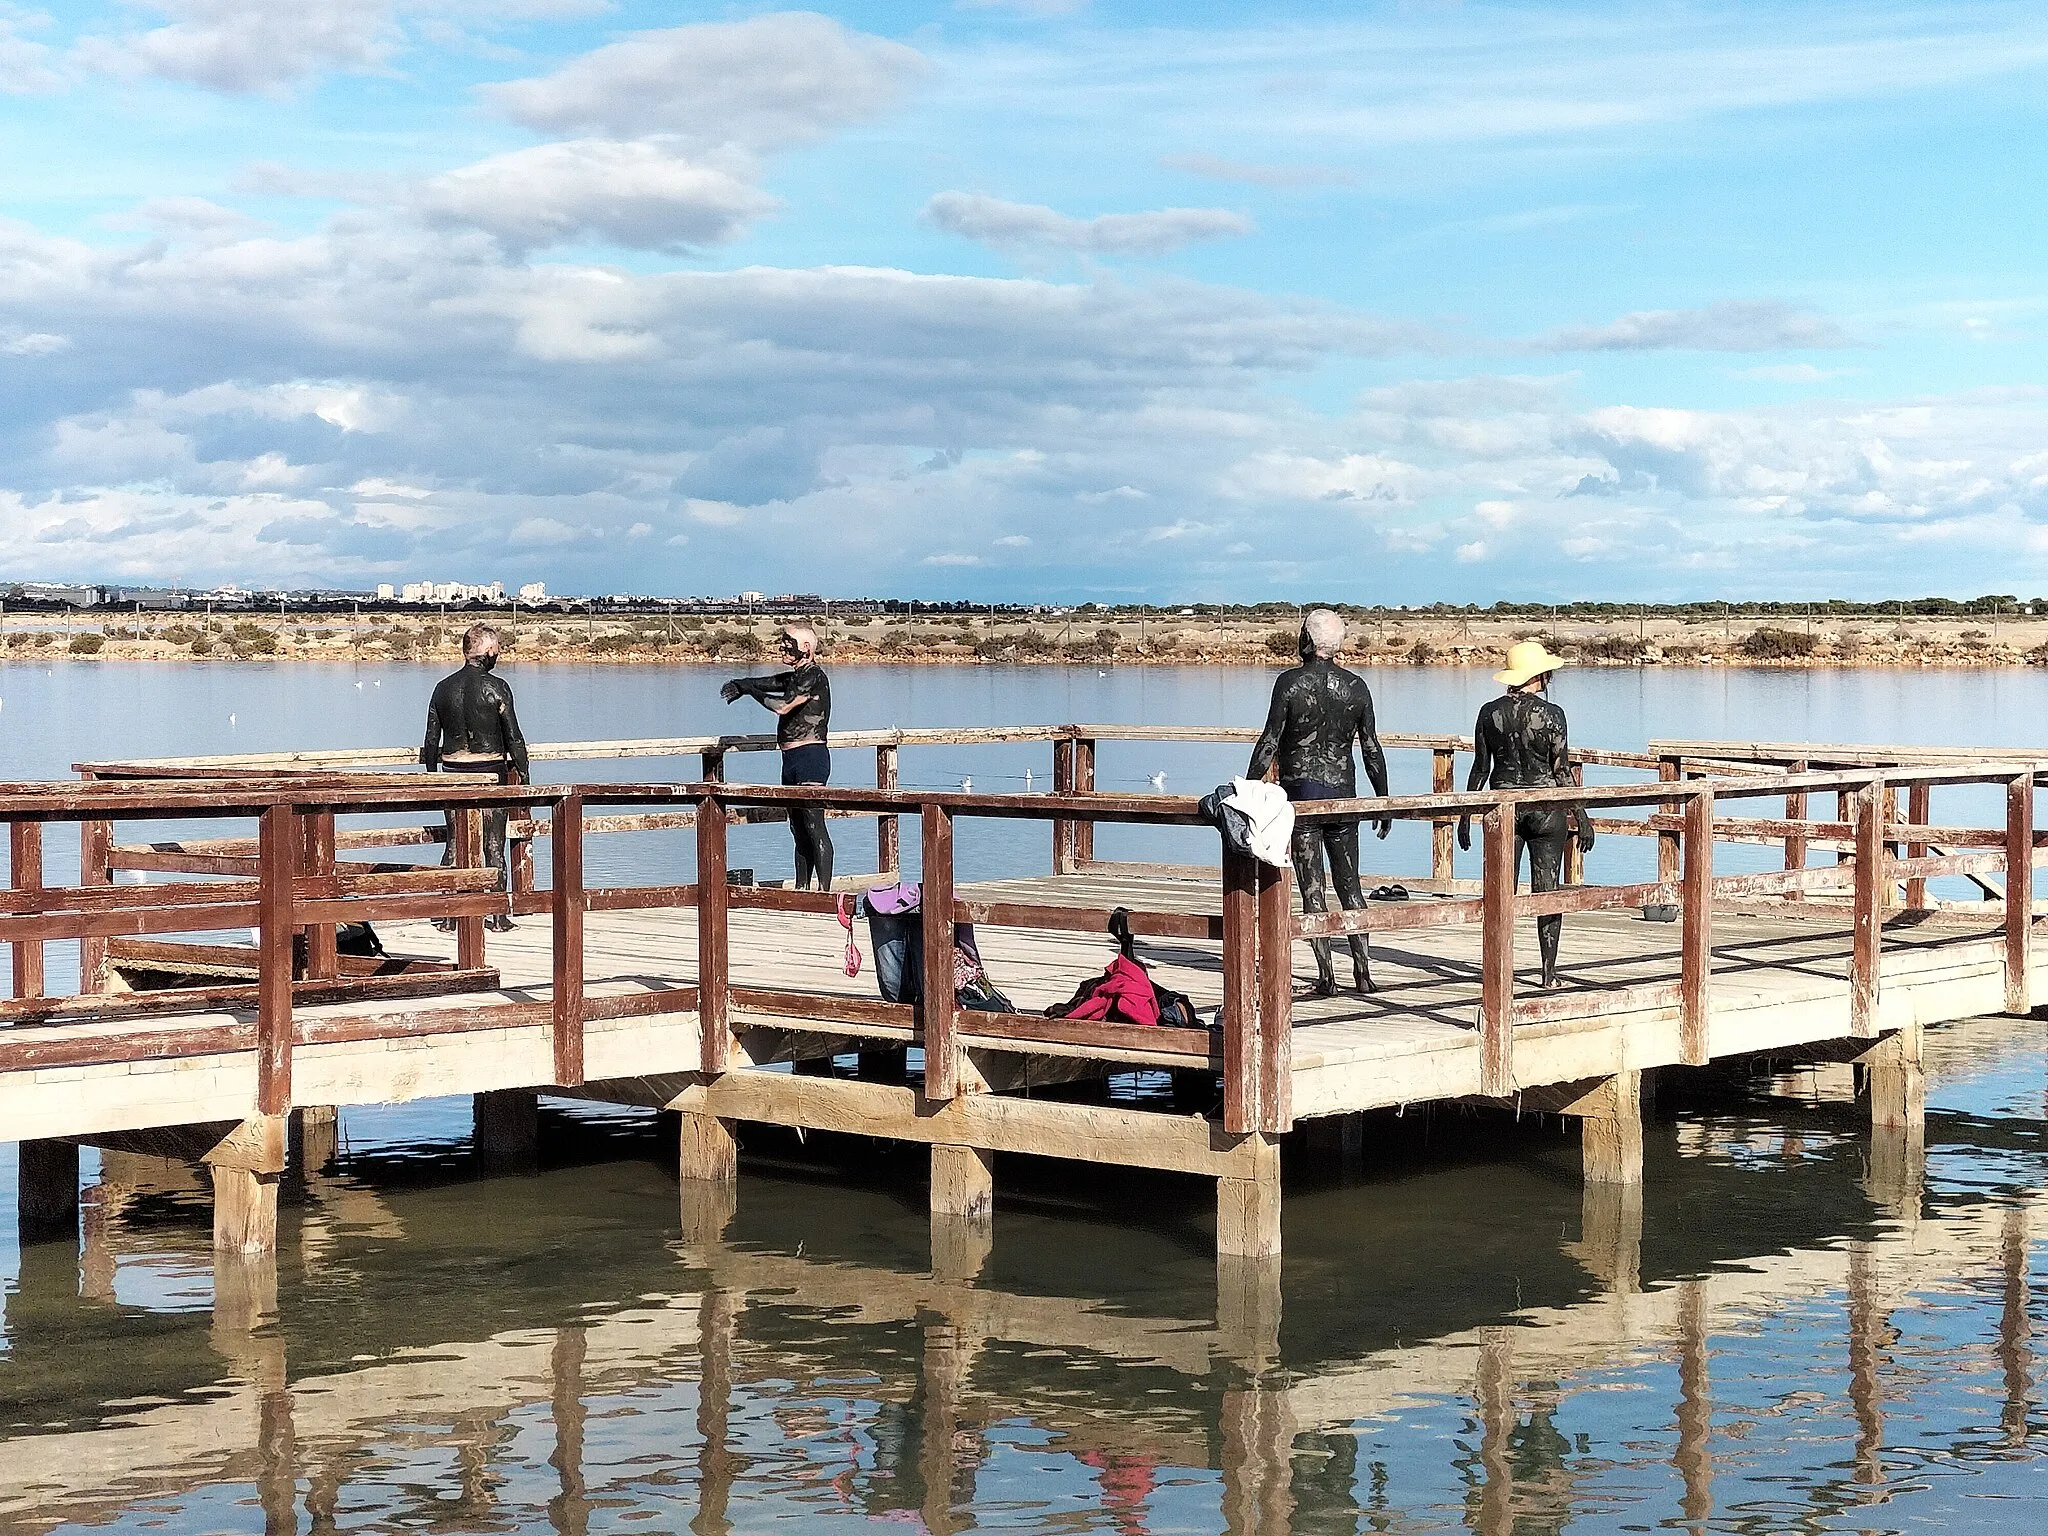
{"x":495,"y":827}
{"x":1308,"y":877}
{"x":821,"y":846}
{"x":1342,"y":841}
{"x":800,"y":836}
{"x":1546,"y":873}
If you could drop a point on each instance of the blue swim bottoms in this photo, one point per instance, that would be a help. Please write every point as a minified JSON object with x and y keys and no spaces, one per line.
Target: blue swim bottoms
{"x":810,"y":764}
{"x":1312,"y":789}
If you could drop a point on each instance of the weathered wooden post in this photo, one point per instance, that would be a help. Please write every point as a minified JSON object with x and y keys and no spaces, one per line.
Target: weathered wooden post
{"x":1443,"y":763}
{"x":1795,"y":843}
{"x":323,"y":960}
{"x":2019,"y":891}
{"x":567,"y":939}
{"x":25,"y":873}
{"x":1574,"y":855}
{"x":1696,"y":918}
{"x":1084,"y":784}
{"x":1672,"y":771}
{"x":1865,"y":956}
{"x":1276,"y":1000}
{"x":1919,"y":811}
{"x":888,"y":830}
{"x":469,"y":854}
{"x":95,"y":851}
{"x":1497,"y":954}
{"x":713,"y":951}
{"x":277,"y":850}
{"x":939,"y":1006}
{"x":1063,"y":826}
{"x":1241,"y":1076}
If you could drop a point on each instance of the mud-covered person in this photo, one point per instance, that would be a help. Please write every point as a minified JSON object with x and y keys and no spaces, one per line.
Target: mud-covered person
{"x":801,"y":698}
{"x":473,"y":728}
{"x":1319,"y":712}
{"x":1520,"y":742}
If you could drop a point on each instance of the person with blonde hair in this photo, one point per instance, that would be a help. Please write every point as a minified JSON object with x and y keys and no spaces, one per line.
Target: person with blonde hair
{"x":1319,"y":710}
{"x":801,"y":698}
{"x":1520,"y":742}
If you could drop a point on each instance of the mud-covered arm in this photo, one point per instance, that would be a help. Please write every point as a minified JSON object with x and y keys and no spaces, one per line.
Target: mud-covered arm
{"x":1370,"y":751}
{"x":1482,"y":768}
{"x":1267,"y":747}
{"x":1561,"y":776}
{"x":759,"y":689}
{"x":430,"y":750}
{"x":515,"y":740}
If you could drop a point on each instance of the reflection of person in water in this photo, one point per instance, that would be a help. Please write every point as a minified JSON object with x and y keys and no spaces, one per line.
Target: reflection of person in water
{"x":472,"y":728}
{"x":802,"y":701}
{"x":1519,"y":742}
{"x":1319,"y":709}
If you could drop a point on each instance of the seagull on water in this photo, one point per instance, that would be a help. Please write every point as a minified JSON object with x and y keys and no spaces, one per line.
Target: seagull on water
{"x":966,"y":785}
{"x":359,"y":685}
{"x":1157,"y":781}
{"x":231,"y":722}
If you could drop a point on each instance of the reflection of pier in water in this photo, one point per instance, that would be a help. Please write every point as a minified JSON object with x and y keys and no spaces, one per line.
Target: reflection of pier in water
{"x":792,"y":1301}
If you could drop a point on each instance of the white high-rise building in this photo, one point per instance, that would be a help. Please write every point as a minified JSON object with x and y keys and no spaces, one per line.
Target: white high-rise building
{"x":534,"y":592}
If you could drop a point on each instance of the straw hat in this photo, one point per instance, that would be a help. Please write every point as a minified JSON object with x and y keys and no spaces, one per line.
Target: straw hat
{"x":1527,"y":659}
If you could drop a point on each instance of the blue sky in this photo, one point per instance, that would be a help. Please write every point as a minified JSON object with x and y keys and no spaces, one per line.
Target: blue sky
{"x":1038,"y":300}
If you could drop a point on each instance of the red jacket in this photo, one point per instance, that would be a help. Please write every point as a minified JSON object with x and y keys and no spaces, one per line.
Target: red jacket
{"x":1126,"y":989}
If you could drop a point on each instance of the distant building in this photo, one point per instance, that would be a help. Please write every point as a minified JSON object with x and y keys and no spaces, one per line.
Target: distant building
{"x":386,"y":593}
{"x":752,"y":597}
{"x":534,"y":592}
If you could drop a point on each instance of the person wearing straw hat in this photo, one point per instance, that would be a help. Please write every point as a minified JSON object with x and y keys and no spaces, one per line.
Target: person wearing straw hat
{"x":1520,"y":742}
{"x":1319,"y":710}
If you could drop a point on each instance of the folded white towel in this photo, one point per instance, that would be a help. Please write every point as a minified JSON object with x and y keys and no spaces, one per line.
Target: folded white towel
{"x":1266,"y":807}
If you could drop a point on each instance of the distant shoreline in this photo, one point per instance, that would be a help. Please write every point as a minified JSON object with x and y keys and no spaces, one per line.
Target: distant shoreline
{"x":1914,"y":643}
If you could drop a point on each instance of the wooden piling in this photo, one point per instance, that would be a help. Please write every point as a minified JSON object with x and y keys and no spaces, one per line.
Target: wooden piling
{"x":1248,"y":1209}
{"x":2019,"y":892}
{"x":46,"y":1198}
{"x":25,"y":873}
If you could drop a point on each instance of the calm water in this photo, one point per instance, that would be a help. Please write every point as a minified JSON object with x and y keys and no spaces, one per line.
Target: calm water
{"x":1811,"y":1335}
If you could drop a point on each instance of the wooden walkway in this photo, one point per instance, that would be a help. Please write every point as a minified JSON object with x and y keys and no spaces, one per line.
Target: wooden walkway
{"x":699,"y":997}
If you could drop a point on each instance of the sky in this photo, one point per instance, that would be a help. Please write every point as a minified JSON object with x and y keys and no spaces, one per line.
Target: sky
{"x":1028,"y":300}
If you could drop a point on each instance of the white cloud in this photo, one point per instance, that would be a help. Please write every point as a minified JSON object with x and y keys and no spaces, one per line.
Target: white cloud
{"x":1005,"y":225}
{"x":27,"y":67}
{"x":19,"y":343}
{"x":1014,"y":541}
{"x":1732,"y":325}
{"x":1793,"y":373}
{"x":534,"y":532}
{"x":1217,"y":169}
{"x":766,"y":83}
{"x":1475,"y":551}
{"x":636,"y":194}
{"x":250,"y":46}
{"x":958,"y":560}
{"x":1025,"y":7}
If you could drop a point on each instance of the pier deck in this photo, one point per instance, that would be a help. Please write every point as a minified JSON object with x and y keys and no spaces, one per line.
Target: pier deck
{"x":693,"y":997}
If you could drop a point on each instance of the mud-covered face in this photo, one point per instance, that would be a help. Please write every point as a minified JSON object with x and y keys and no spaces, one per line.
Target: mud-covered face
{"x":485,"y":659}
{"x":790,"y":647}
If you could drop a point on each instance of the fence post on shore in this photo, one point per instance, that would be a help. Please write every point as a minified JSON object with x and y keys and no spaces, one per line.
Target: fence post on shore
{"x":25,"y":873}
{"x":95,"y":850}
{"x":1241,"y":1075}
{"x":713,"y":952}
{"x":1795,"y":843}
{"x":1443,"y":766}
{"x":566,"y":909}
{"x":1276,"y":1000}
{"x":1871,"y":874}
{"x":1672,"y":771}
{"x":1063,"y":826}
{"x":277,"y":861}
{"x":1696,"y":939}
{"x":888,"y":831}
{"x":2019,"y":891}
{"x":323,"y":959}
{"x":939,"y":1006}
{"x":1919,"y":811}
{"x":1497,"y":954}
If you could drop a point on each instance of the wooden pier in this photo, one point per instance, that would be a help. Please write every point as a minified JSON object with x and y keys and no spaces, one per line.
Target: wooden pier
{"x":724,"y":1002}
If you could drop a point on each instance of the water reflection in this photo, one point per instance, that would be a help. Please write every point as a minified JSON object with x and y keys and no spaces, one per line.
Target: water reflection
{"x":1838,"y":1338}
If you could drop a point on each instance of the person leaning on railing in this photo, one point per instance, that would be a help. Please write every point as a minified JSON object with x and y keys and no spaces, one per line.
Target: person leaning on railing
{"x":802,"y":701}
{"x":473,"y":728}
{"x":1520,"y":742}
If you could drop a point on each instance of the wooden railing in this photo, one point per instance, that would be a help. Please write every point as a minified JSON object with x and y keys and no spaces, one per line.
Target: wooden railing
{"x":289,"y":882}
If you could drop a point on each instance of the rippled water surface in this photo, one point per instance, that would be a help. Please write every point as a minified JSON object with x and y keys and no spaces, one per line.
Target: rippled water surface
{"x":1801,"y":1329}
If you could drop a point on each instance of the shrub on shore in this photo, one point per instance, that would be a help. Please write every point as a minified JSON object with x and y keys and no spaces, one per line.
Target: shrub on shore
{"x":87,"y":645}
{"x":1283,"y":644}
{"x":1612,"y":648}
{"x":1421,"y":654}
{"x":1768,"y":644}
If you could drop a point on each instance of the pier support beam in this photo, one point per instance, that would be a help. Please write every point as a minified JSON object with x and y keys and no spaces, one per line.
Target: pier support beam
{"x":1337,"y":1143}
{"x":963,"y":1210}
{"x":1610,"y":1119}
{"x":1896,"y":1080}
{"x":708,"y":1165}
{"x":46,"y":1204}
{"x":1248,"y":1209}
{"x":506,"y":1129}
{"x":246,"y":1165}
{"x":315,"y":1137}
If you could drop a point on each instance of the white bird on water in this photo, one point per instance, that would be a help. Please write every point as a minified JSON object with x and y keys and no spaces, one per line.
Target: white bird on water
{"x":231,"y":722}
{"x":1157,"y":781}
{"x":359,"y":685}
{"x":377,"y":682}
{"x":966,"y":785}
{"x":1027,"y":780}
